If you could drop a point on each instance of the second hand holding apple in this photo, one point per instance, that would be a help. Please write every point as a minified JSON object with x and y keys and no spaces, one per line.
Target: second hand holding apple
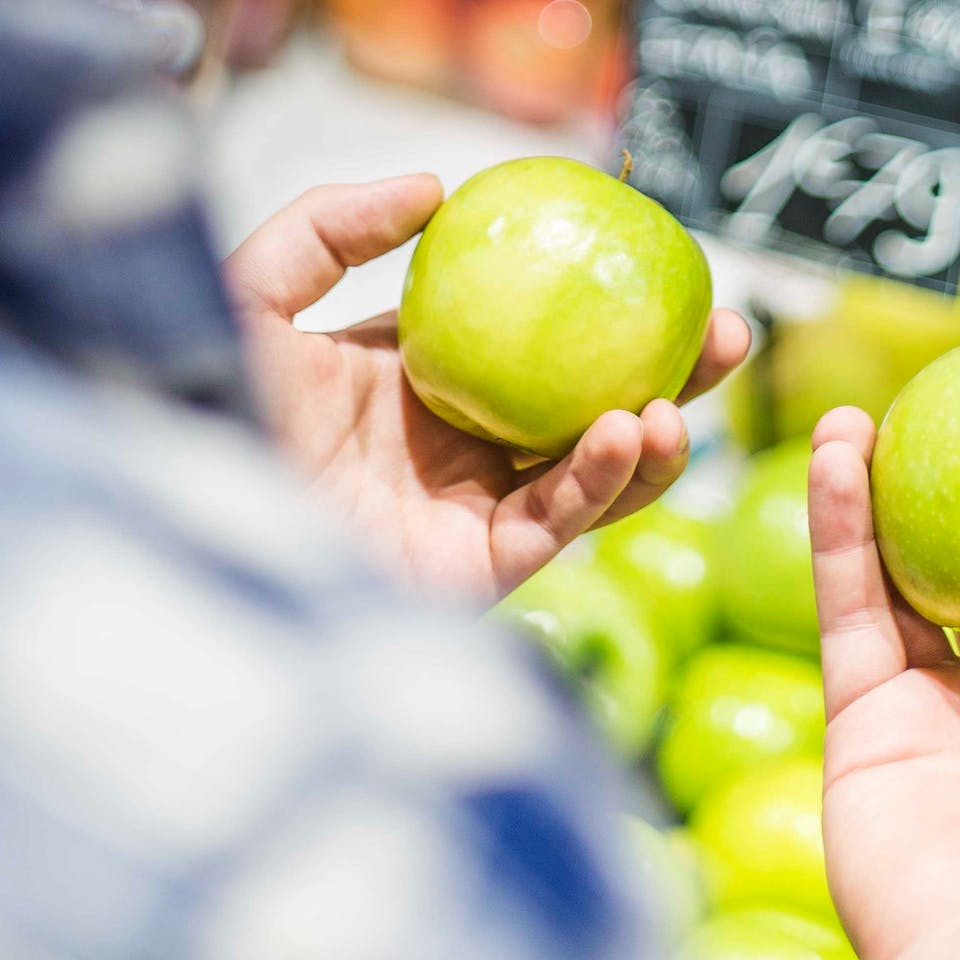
{"x":892,"y":753}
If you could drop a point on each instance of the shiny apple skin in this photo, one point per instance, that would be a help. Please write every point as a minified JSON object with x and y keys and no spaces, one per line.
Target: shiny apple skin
{"x":544,"y":292}
{"x":761,"y":838}
{"x":915,"y":482}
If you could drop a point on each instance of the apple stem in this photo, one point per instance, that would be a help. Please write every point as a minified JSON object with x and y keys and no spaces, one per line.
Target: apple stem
{"x":627,"y":168}
{"x":951,"y":633}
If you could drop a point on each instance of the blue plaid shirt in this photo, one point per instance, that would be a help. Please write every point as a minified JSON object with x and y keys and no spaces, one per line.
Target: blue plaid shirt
{"x":220,"y":735}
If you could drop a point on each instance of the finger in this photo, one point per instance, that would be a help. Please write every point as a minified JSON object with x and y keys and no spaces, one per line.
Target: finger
{"x":726,"y":344}
{"x":924,"y":643}
{"x":861,"y":646}
{"x":666,"y":450}
{"x":301,"y":252}
{"x":850,"y":424}
{"x":533,"y":523}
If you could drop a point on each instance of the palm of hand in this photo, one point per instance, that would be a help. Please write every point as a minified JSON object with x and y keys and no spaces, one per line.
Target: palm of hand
{"x":890,"y":812}
{"x":428,"y":490}
{"x":443,"y":508}
{"x":892,"y":752}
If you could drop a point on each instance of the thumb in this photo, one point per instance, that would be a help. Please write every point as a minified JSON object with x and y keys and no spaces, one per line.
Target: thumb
{"x":302,"y":251}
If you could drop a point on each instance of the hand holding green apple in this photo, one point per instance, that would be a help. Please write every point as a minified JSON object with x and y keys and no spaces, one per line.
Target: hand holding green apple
{"x":442,"y":509}
{"x":892,"y":690}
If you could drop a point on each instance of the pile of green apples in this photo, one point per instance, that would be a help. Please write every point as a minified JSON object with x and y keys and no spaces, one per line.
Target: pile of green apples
{"x":861,"y":348}
{"x":693,"y":643}
{"x":543,"y":293}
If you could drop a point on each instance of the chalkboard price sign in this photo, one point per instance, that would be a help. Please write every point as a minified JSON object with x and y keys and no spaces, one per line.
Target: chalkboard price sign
{"x":829,"y":128}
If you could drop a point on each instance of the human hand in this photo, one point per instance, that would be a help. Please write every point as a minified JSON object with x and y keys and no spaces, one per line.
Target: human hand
{"x":892,"y":755}
{"x":443,"y":509}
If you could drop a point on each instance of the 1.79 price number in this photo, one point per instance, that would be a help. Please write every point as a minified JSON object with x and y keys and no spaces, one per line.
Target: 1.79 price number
{"x":864,"y":178}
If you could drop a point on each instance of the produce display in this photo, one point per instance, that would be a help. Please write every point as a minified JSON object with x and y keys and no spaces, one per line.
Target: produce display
{"x":672,"y":556}
{"x":542,"y":61}
{"x":874,"y":335}
{"x":766,"y":572}
{"x":732,"y":727}
{"x":760,"y":837}
{"x":600,"y":640}
{"x":691,"y":639}
{"x":734,"y":707}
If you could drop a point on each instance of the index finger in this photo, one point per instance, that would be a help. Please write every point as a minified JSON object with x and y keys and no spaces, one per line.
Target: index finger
{"x":726,"y":344}
{"x":861,"y":645}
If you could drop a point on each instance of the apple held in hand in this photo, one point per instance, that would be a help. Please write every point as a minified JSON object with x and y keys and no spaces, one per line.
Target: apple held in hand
{"x":915,"y":480}
{"x":734,"y":708}
{"x":543,"y":293}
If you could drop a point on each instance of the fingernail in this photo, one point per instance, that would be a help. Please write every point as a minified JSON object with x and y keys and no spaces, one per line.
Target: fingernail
{"x":660,"y":472}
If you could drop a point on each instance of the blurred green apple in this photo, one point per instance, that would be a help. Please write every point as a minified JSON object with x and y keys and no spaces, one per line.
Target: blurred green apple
{"x":600,"y":640}
{"x":910,"y":325}
{"x":765,"y":563}
{"x":875,"y":336}
{"x":760,"y":837}
{"x":809,"y":368}
{"x":664,"y":561}
{"x":544,"y":292}
{"x":766,"y":934}
{"x":733,"y":708}
{"x":669,"y":877}
{"x":915,"y":479}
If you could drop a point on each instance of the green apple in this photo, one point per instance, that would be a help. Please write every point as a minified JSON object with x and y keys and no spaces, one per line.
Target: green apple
{"x":910,"y":325}
{"x":664,"y":560}
{"x":809,"y":368}
{"x":669,"y":877}
{"x":760,"y":836}
{"x":544,"y":292}
{"x":600,"y":639}
{"x":734,"y":708}
{"x":915,"y":479}
{"x":766,"y":570}
{"x":760,"y":933}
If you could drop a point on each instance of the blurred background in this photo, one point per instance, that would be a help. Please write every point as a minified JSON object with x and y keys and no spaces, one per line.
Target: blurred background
{"x":813,"y":147}
{"x":372,"y":88}
{"x":763,"y":125}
